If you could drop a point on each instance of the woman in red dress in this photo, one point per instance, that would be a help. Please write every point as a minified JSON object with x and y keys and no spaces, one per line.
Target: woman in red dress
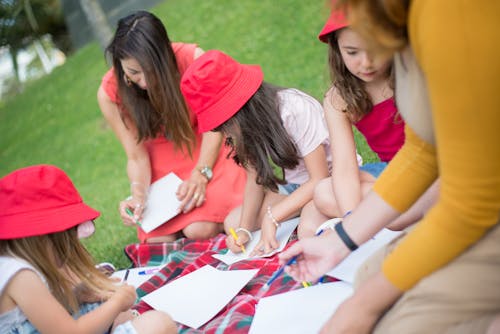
{"x":141,"y":100}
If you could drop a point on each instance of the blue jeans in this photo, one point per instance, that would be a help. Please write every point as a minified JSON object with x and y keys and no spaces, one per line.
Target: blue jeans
{"x":290,"y":187}
{"x":374,"y":168}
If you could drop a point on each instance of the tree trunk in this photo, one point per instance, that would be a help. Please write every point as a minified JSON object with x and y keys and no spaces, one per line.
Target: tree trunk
{"x":98,"y":21}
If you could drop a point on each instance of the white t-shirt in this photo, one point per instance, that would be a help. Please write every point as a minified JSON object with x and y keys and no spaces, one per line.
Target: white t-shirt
{"x":9,"y":266}
{"x":304,"y":120}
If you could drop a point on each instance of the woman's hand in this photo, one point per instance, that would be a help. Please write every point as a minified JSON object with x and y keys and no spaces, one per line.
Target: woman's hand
{"x":315,"y":256}
{"x":267,"y":242}
{"x":192,"y":192}
{"x":235,"y":246}
{"x":360,"y":313}
{"x":131,"y":211}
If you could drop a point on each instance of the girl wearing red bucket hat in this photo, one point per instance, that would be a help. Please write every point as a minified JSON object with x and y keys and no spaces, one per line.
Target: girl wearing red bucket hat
{"x":361,"y":96}
{"x":141,"y":101}
{"x":49,"y":282}
{"x":277,"y":134}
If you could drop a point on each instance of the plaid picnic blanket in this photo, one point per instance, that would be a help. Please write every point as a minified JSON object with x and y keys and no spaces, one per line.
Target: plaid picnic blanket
{"x":185,"y":256}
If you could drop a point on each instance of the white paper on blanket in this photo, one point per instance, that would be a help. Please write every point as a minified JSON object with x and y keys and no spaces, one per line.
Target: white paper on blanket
{"x":282,"y":235}
{"x":162,"y":202}
{"x":197,"y":297}
{"x":137,"y":276}
{"x":346,"y":270}
{"x":299,"y":311}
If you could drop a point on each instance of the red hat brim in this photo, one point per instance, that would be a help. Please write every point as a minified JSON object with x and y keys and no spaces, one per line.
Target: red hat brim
{"x":46,"y":221}
{"x":337,"y":20}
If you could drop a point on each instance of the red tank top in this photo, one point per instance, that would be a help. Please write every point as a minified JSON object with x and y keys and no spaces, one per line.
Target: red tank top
{"x":383,"y":129}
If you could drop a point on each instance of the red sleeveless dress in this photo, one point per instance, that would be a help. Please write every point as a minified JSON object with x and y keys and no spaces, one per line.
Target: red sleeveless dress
{"x":225,"y":190}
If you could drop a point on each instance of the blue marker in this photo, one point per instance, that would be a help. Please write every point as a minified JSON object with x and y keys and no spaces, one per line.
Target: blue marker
{"x":148,"y":271}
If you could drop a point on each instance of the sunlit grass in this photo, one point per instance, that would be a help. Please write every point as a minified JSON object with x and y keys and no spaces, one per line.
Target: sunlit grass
{"x":56,"y":120}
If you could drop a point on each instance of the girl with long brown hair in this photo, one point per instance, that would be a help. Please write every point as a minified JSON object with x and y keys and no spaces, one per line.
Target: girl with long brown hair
{"x":278,"y":135}
{"x":361,"y":96}
{"x":141,"y":101}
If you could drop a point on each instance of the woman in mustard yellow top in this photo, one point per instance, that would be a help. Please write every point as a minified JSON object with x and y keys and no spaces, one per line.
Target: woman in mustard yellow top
{"x":444,"y":276}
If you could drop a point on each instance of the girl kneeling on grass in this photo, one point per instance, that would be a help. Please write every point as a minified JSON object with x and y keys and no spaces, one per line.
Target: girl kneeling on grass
{"x":278,"y":135}
{"x":49,"y":282}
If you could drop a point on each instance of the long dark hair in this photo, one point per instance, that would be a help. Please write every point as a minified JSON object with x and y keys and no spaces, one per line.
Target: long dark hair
{"x":259,"y":139}
{"x":160,"y":109}
{"x":349,"y":87}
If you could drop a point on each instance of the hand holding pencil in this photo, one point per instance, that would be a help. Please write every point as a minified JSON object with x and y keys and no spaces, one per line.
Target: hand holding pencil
{"x":236,"y":241}
{"x":131,"y":212}
{"x":311,"y":259}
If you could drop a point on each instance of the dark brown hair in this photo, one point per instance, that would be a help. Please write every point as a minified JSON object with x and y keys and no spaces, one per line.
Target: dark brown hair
{"x":161,"y":108}
{"x":257,"y":135}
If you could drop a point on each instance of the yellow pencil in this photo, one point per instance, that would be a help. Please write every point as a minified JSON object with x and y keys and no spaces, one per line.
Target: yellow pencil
{"x":235,"y":236}
{"x":306,"y":284}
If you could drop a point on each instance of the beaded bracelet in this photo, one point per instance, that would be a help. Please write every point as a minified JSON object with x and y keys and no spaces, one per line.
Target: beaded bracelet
{"x":270,"y":215}
{"x":247,"y":232}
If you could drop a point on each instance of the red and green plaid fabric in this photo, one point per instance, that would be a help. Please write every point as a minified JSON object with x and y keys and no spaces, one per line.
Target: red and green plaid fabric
{"x":184,"y":256}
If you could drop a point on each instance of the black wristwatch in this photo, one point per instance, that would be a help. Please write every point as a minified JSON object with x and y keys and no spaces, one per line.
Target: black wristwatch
{"x":206,"y":172}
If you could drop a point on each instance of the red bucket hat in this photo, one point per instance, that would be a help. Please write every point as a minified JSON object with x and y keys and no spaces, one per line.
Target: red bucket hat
{"x":216,"y":86}
{"x":40,"y":200}
{"x":336,"y":21}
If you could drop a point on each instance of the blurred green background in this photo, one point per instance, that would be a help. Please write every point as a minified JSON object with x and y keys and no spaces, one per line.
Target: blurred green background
{"x":56,"y":120}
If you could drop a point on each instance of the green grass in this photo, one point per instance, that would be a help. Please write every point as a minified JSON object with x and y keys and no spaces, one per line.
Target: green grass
{"x":56,"y":120}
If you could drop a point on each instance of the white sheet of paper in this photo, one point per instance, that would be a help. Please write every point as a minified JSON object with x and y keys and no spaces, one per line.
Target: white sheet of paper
{"x":346,"y":270}
{"x":137,"y":276}
{"x":299,"y":311}
{"x":162,"y":203}
{"x":197,"y":297}
{"x":282,"y":235}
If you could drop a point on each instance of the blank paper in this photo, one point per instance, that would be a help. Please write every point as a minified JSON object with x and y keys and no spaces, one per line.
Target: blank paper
{"x":197,"y":297}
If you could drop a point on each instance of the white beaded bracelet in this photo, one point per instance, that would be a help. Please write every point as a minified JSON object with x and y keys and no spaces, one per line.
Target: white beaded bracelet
{"x":244,"y":230}
{"x":270,"y":215}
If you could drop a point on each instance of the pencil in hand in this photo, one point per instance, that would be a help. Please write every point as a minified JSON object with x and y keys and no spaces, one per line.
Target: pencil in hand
{"x":235,"y":236}
{"x":131,"y":214}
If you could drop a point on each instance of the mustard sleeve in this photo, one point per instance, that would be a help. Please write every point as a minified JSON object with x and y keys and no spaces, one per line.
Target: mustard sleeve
{"x":409,"y":174}
{"x":456,"y":45}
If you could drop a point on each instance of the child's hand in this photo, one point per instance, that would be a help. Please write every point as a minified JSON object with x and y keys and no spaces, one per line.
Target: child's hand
{"x":125,"y":296}
{"x":267,"y":242}
{"x":235,"y":246}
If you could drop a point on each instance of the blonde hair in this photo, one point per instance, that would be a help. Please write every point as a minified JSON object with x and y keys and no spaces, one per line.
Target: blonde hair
{"x":63,"y":261}
{"x":383,"y":22}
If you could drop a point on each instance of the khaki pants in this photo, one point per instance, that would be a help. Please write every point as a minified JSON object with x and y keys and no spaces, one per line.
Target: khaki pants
{"x":462,"y":297}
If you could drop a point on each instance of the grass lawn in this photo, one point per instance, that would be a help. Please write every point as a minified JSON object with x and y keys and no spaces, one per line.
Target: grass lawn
{"x":56,"y":120}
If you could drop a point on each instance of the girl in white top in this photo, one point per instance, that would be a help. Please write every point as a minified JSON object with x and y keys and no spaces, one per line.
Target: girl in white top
{"x":278,"y":135}
{"x":49,"y":283}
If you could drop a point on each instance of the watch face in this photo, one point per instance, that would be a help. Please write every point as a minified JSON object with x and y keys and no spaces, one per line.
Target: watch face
{"x":207,"y":172}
